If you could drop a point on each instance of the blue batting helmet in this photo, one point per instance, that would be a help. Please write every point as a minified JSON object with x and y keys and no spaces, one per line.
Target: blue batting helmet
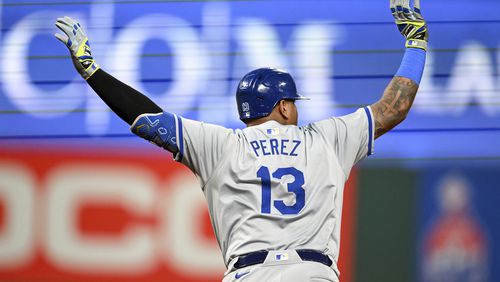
{"x":260,"y":90}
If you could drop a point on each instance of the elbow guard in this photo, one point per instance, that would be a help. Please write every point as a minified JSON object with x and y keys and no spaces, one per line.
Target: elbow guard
{"x":159,"y":129}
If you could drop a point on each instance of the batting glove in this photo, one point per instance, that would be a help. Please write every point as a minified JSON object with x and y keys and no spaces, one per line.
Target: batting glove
{"x":410,"y":23}
{"x":78,"y":45}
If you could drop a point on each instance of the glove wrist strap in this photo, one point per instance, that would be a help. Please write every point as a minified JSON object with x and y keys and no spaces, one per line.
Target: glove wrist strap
{"x":416,"y":43}
{"x":87,"y":73}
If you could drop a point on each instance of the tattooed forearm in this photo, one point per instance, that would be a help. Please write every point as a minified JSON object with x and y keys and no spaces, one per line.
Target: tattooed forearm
{"x":394,"y":105}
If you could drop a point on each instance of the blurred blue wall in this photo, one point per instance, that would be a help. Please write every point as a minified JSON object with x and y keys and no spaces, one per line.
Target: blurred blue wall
{"x":188,"y":57}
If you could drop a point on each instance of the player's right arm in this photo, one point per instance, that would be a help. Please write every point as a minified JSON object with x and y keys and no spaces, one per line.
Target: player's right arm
{"x":146,"y":118}
{"x":196,"y":144}
{"x":398,"y":97}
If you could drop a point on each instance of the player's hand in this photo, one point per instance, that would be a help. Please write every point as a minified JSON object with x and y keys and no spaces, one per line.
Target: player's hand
{"x":78,"y":44}
{"x":410,"y":23}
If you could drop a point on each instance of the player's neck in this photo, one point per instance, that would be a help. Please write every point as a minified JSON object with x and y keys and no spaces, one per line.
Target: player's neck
{"x":257,"y":122}
{"x":266,"y":119}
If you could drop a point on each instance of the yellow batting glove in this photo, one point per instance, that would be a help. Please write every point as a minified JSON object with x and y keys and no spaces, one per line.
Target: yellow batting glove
{"x":78,"y":45}
{"x":410,"y":23}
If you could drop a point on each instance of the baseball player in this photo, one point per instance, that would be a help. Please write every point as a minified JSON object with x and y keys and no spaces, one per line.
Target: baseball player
{"x":274,"y":190}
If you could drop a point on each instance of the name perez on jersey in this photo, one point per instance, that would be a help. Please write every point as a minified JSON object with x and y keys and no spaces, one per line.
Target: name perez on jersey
{"x":272,"y":147}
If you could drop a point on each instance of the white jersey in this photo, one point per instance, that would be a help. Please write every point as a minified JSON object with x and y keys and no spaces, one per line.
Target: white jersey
{"x":273,"y":186}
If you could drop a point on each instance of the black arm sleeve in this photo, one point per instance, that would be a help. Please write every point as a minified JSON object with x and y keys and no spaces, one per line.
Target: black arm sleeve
{"x":124,"y":100}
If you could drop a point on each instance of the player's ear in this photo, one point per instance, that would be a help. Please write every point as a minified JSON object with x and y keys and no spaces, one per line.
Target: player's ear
{"x":283,"y":109}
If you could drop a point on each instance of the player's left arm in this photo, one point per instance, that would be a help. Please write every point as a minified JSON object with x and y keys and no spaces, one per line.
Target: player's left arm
{"x":398,"y":97}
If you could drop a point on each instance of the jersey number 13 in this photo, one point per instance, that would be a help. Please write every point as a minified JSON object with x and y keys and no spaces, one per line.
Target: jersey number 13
{"x":294,"y":187}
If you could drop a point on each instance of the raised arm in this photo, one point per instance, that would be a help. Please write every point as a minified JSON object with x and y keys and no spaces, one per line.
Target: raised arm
{"x":125,"y":101}
{"x":398,"y":97}
{"x":147,"y":119}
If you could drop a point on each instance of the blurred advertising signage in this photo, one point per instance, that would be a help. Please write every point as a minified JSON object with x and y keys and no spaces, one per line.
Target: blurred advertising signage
{"x":189,"y":56}
{"x":102,"y":217}
{"x":196,"y":42}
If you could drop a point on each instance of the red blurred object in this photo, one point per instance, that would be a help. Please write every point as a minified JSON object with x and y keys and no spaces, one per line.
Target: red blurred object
{"x":179,"y":236}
